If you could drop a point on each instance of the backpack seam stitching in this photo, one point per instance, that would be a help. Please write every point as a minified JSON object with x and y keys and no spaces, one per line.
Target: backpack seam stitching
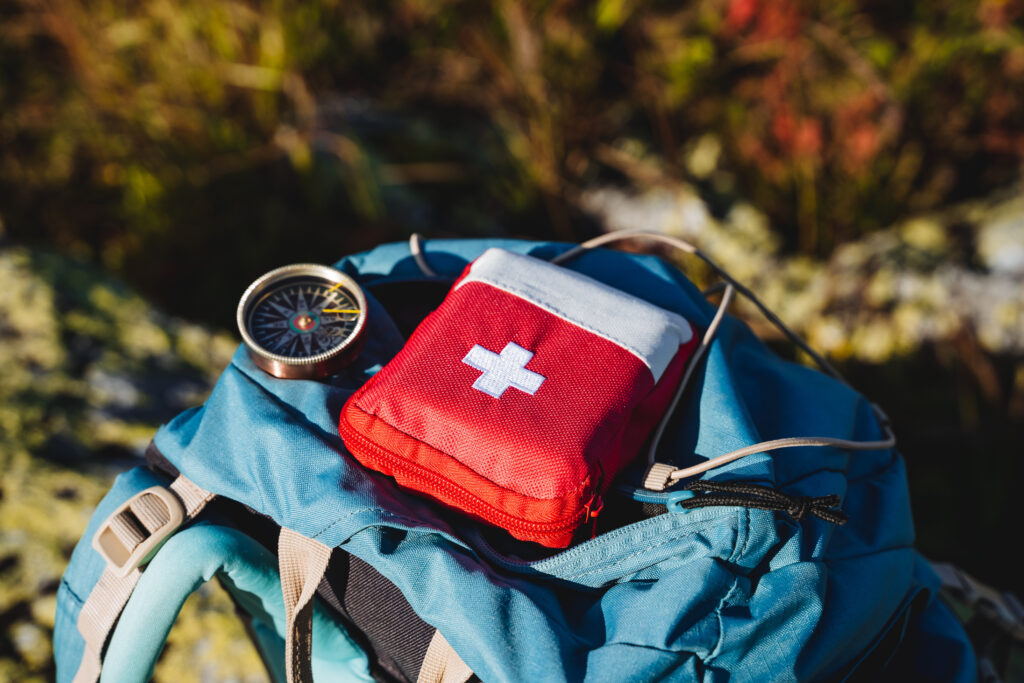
{"x":74,"y":594}
{"x":642,"y":551}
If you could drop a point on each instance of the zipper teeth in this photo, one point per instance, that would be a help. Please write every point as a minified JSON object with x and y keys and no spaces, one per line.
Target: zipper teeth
{"x":470,"y":501}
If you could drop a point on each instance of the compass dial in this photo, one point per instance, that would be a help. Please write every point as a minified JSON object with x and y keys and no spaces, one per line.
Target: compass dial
{"x":303,"y":320}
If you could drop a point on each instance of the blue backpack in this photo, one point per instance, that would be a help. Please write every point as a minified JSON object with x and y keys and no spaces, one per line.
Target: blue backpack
{"x":346,"y":577}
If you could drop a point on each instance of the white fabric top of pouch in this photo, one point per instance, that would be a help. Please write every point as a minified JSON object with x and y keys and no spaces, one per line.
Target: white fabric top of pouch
{"x":650,"y":333}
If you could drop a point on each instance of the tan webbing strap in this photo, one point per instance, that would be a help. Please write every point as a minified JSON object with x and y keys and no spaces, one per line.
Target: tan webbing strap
{"x":192,"y":497}
{"x":140,"y":521}
{"x":151,"y":513}
{"x":442,"y":664}
{"x":302,"y":562}
{"x":98,"y":616}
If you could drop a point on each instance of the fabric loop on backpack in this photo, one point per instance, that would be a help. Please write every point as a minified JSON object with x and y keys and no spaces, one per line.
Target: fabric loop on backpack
{"x":302,"y":562}
{"x":192,"y":497}
{"x":416,"y":249}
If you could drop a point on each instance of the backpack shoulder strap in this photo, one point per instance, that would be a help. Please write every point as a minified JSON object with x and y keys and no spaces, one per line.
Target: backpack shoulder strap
{"x":126,"y":539}
{"x":118,"y":630}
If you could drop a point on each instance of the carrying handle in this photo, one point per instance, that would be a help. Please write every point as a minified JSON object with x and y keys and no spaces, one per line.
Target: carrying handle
{"x":302,"y":562}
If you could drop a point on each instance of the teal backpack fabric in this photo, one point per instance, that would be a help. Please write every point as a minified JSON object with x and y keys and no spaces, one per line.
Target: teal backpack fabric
{"x":713,"y":594}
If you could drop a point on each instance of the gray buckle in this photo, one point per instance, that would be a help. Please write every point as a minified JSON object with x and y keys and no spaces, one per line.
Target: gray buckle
{"x":129,"y":537}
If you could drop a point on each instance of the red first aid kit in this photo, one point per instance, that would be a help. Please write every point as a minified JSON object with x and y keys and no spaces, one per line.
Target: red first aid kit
{"x":521,"y":396}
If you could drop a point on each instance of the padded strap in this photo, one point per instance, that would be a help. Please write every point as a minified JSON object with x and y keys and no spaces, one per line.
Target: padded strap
{"x":302,"y":562}
{"x":442,"y":664}
{"x":131,"y":527}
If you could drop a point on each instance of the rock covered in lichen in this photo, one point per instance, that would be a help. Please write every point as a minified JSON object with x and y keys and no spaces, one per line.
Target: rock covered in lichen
{"x":884,"y":295}
{"x":89,"y":372}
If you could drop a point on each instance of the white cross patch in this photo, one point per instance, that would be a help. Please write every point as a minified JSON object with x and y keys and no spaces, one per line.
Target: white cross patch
{"x":504,"y":370}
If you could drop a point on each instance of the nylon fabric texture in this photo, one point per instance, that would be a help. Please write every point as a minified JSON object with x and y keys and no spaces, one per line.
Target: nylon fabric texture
{"x":396,"y":637}
{"x":714,"y":594}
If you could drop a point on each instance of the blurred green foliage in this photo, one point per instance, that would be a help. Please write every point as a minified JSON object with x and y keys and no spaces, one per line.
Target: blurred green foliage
{"x":830,"y":154}
{"x":179,"y":144}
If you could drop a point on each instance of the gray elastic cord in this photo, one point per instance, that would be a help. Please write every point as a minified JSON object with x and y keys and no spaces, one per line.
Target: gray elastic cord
{"x":416,"y":249}
{"x":688,"y":248}
{"x":789,"y":442}
{"x":705,"y":342}
{"x":661,"y":476}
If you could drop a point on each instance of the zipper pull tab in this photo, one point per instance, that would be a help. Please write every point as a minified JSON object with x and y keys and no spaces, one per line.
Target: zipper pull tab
{"x":593,"y":509}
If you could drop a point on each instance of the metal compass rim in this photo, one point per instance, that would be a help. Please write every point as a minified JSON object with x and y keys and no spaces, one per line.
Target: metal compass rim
{"x":299,"y":366}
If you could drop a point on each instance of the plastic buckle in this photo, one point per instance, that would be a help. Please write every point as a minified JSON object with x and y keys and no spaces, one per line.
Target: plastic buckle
{"x":675,"y":499}
{"x":129,"y":537}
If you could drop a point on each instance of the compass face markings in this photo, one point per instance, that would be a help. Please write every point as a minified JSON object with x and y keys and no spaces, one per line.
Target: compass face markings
{"x":300,"y":299}
{"x":302,"y":321}
{"x":284,"y":310}
{"x":280,"y":341}
{"x":291,"y":320}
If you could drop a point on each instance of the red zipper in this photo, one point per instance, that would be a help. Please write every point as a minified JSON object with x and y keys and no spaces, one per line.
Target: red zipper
{"x":464,"y":498}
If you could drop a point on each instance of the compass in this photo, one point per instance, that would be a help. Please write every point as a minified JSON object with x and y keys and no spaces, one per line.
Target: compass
{"x":302,"y":321}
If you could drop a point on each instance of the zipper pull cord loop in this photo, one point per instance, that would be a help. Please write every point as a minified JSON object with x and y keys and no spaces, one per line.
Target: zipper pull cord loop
{"x":742,"y":494}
